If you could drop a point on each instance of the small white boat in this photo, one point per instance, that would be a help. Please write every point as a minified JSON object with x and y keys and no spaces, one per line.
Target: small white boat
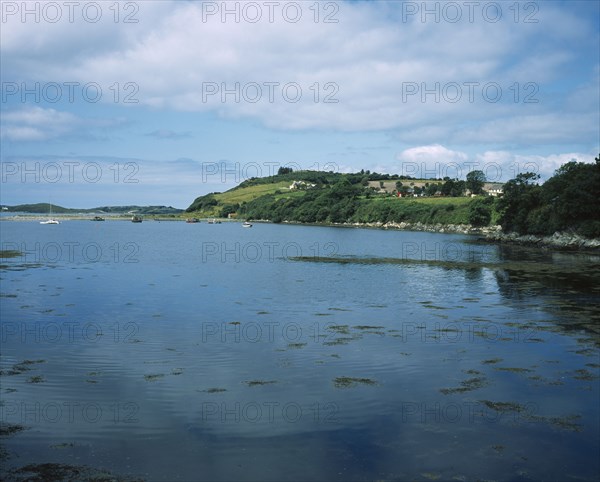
{"x":246,"y":224}
{"x":50,"y":220}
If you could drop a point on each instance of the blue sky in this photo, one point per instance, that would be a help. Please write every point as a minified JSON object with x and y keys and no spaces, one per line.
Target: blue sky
{"x":422,"y":88}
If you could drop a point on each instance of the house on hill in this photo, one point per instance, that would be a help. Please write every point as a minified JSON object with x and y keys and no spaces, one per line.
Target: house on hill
{"x":302,"y":185}
{"x":493,"y":188}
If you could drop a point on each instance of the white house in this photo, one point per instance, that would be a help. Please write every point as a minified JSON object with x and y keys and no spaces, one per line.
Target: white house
{"x":494,"y":188}
{"x":302,"y":185}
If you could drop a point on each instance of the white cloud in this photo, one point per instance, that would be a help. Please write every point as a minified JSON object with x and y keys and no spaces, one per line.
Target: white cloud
{"x":36,"y":124}
{"x":368,"y":56}
{"x":545,"y":165}
{"x":437,"y":161}
{"x":549,"y":128}
{"x":33,"y":123}
{"x":431,"y":154}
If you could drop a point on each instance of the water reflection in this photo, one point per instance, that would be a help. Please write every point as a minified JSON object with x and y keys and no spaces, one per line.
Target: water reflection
{"x":399,"y":358}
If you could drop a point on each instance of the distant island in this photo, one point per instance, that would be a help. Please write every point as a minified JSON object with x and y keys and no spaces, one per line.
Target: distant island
{"x":44,"y":208}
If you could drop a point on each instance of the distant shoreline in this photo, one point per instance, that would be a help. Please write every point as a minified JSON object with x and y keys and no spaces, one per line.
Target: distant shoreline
{"x":23,"y":217}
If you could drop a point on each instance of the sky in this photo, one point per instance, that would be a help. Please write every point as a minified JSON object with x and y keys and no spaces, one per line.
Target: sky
{"x":158,"y":102}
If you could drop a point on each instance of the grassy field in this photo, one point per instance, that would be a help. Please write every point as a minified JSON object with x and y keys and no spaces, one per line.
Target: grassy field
{"x":280,"y":189}
{"x":245,"y":194}
{"x":433,"y":201}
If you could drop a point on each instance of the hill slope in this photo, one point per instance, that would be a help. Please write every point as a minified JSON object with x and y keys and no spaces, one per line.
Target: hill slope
{"x":341,"y":198}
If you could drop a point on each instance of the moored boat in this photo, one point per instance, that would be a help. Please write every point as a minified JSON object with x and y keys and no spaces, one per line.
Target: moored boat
{"x":50,"y":220}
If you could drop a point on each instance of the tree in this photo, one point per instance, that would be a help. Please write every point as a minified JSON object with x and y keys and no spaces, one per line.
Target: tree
{"x":202,"y":203}
{"x":458,"y":189}
{"x":480,"y":211}
{"x":284,"y":170}
{"x":521,"y":196}
{"x":341,"y":190}
{"x":432,"y":189}
{"x":570,"y":199}
{"x":449,"y":187}
{"x":475,"y":181}
{"x":404,"y":190}
{"x":228,"y":209}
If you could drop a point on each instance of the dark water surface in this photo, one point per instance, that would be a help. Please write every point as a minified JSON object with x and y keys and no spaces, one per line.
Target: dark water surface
{"x":173,"y":351}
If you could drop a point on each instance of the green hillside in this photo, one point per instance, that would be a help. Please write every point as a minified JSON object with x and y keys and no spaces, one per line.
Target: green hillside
{"x":346,"y":198}
{"x":567,"y":202}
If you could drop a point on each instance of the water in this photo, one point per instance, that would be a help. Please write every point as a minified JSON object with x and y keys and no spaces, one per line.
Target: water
{"x":173,"y":351}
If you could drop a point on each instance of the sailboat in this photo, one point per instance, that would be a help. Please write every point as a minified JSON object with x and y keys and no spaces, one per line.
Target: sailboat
{"x":50,"y":220}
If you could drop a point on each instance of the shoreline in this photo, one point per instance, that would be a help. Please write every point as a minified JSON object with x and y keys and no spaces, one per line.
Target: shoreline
{"x":85,"y":217}
{"x":559,"y":240}
{"x":489,"y":234}
{"x":432,"y":228}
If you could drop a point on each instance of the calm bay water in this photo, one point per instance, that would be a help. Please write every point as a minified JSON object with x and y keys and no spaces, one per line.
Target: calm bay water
{"x":173,"y":351}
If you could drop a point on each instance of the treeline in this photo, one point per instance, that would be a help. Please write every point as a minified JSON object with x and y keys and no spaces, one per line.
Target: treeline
{"x":321,"y":178}
{"x":568,"y":201}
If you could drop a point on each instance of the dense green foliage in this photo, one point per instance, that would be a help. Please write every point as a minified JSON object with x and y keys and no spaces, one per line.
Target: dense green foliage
{"x":568,"y":201}
{"x":321,"y":177}
{"x":202,"y":203}
{"x":228,"y":209}
{"x":346,"y":202}
{"x":453,"y":188}
{"x":480,"y":211}
{"x":475,"y":181}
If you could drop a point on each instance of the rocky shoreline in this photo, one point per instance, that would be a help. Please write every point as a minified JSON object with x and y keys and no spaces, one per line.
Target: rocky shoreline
{"x":565,"y":241}
{"x":490,"y":234}
{"x":494,"y":234}
{"x":432,"y":228}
